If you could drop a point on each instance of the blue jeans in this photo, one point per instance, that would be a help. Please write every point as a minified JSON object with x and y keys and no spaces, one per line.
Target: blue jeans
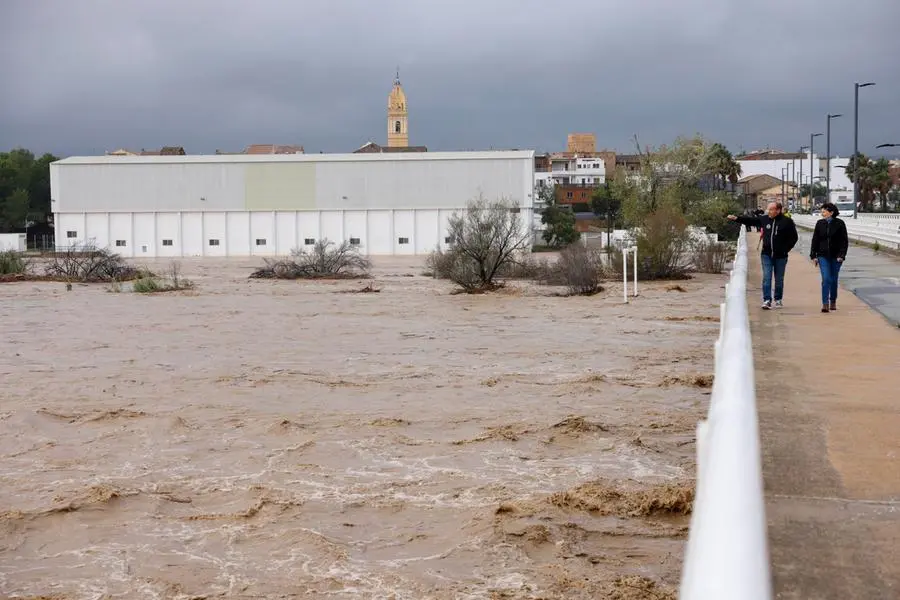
{"x":778,"y":266}
{"x":830,"y":268}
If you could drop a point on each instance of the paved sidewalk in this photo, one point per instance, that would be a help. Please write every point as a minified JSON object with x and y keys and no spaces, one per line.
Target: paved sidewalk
{"x":873,"y":276}
{"x":828,"y":388}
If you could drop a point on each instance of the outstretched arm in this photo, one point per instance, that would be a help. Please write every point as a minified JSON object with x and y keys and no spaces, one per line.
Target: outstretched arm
{"x":752,"y":221}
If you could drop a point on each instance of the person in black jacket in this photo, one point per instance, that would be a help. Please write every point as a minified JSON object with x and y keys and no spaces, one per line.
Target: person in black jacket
{"x":828,"y":251}
{"x":779,"y":236}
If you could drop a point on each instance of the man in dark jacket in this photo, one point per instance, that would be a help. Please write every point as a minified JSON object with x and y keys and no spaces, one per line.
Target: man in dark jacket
{"x":828,"y":251}
{"x":779,"y":236}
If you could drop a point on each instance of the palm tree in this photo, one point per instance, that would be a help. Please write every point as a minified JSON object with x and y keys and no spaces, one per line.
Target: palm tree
{"x":861,"y":169}
{"x":882,"y":182}
{"x":720,"y":163}
{"x":733,"y":170}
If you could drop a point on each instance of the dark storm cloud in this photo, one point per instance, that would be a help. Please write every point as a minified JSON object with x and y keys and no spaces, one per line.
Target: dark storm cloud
{"x":89,"y":76}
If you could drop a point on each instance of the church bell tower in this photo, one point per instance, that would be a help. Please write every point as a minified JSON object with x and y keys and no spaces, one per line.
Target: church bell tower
{"x":398,"y":127}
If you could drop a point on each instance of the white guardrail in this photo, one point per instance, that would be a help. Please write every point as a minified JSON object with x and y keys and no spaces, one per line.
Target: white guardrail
{"x":869,"y":227}
{"x":727,"y":551}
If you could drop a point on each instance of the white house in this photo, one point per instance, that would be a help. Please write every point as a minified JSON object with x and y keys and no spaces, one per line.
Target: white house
{"x":567,"y":170}
{"x":839,"y":179}
{"x":243,"y":205}
{"x":576,"y":170}
{"x":781,"y":168}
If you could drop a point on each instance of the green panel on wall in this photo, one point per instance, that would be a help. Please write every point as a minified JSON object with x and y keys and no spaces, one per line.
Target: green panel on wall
{"x":280,"y":186}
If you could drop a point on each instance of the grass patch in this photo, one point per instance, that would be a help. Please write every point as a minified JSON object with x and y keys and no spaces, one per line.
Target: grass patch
{"x":13,"y":262}
{"x":148,"y":283}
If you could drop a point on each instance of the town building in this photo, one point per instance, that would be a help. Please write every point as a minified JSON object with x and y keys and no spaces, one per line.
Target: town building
{"x":268,"y":149}
{"x":630,"y":163}
{"x":164,"y":151}
{"x":759,"y":190}
{"x":573,"y":176}
{"x":581,"y":143}
{"x":791,"y":166}
{"x":374,"y":148}
{"x":269,"y":204}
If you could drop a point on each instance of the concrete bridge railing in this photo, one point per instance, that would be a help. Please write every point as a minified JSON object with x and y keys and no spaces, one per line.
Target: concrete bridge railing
{"x":868,"y":227}
{"x":727,"y":552}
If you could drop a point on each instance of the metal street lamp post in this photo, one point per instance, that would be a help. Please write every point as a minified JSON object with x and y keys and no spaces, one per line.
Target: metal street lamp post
{"x":812,"y":154}
{"x":856,"y":87}
{"x":802,"y":148}
{"x":828,"y":156}
{"x":793,"y":178}
{"x":783,"y":169}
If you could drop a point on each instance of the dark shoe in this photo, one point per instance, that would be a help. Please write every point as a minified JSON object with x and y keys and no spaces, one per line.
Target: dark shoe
{"x":833,"y":307}
{"x":824,"y":308}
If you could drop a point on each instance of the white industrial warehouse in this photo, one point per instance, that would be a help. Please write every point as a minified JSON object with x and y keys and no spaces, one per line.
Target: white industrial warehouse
{"x":258,"y":205}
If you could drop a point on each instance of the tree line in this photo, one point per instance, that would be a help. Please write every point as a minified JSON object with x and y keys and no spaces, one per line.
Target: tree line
{"x":689,"y":178}
{"x":24,"y":189}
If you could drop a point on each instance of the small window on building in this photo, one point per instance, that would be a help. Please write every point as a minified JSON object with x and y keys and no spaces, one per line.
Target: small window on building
{"x":260,"y":241}
{"x":403,"y":240}
{"x":71,"y":234}
{"x":515,"y":210}
{"x":354,"y":241}
{"x":213,"y":242}
{"x":568,"y":194}
{"x":120,"y":243}
{"x":397,"y":127}
{"x":144,"y":249}
{"x":167,"y":242}
{"x":309,"y":242}
{"x":448,"y":240}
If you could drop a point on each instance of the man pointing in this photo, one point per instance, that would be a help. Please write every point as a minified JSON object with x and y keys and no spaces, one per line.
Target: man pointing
{"x":779,"y":236}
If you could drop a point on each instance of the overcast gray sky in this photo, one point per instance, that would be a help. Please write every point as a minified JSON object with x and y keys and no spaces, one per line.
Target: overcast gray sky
{"x":86,"y":76}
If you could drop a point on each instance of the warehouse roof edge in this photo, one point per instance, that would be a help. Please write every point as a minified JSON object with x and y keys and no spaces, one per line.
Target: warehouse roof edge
{"x":292,"y":158}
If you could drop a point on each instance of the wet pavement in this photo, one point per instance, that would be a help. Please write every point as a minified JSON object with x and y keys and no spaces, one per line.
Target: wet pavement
{"x":829,"y":413}
{"x":873,"y":276}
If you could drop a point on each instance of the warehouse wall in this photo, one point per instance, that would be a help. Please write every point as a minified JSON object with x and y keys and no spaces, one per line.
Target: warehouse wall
{"x":420,"y":184}
{"x":111,"y":184}
{"x":147,"y":187}
{"x":259,"y":205}
{"x":258,"y":233}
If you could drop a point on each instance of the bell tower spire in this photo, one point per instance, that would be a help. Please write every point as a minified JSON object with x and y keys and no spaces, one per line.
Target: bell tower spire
{"x":398,"y":126}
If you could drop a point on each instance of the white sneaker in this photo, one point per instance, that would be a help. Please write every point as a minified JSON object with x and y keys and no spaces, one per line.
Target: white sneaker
{"x":767,"y":305}
{"x":778,"y":304}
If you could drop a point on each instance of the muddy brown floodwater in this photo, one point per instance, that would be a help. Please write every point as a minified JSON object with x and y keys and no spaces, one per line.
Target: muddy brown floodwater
{"x":275,"y":439}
